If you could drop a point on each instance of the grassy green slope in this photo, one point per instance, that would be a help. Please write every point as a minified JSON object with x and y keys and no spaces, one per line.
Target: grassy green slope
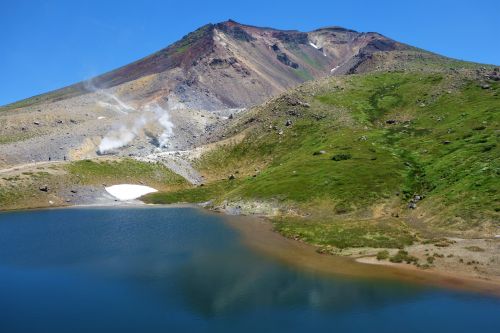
{"x":392,"y":136}
{"x":21,"y":191}
{"x":50,"y":97}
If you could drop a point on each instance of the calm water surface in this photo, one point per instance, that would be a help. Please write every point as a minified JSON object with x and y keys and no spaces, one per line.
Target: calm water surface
{"x":181,"y":270}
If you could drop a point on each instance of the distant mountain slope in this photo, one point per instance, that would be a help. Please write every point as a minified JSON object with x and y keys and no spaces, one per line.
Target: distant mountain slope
{"x":233,"y":65}
{"x":415,"y":150}
{"x":201,"y":80}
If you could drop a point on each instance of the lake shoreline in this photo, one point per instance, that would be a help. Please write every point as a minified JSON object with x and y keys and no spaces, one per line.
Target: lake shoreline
{"x":258,"y":233}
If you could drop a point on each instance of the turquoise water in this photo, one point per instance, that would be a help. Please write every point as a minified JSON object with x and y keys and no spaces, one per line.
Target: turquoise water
{"x":181,"y":270}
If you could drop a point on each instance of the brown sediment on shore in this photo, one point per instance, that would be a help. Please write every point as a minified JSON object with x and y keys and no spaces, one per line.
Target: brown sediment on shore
{"x":258,"y":234}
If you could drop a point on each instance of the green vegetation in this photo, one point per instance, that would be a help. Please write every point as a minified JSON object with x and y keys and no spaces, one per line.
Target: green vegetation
{"x":312,"y":62}
{"x":403,"y":256}
{"x":344,"y":234}
{"x":387,"y":138}
{"x":475,"y":248}
{"x":21,"y":191}
{"x":53,"y":96}
{"x":14,"y":137}
{"x":188,"y":195}
{"x":382,"y":255}
{"x":303,"y":74}
{"x":187,"y":41}
{"x":341,"y":157}
{"x":97,"y":172}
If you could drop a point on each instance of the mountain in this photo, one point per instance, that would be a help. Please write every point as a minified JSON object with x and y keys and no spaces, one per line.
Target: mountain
{"x":407,"y":162}
{"x":201,"y":80}
{"x":352,"y":142}
{"x":419,"y":146}
{"x":186,"y":95}
{"x":234,"y":65}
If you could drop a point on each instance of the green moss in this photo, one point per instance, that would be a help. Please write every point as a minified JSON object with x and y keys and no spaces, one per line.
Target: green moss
{"x":53,"y":96}
{"x":14,"y":137}
{"x":458,"y":180}
{"x":475,"y":248}
{"x":382,"y":255}
{"x":197,"y":194}
{"x":187,"y":41}
{"x":96,"y":172}
{"x":341,"y":157}
{"x":403,"y":256}
{"x":303,"y":74}
{"x":345,"y":234}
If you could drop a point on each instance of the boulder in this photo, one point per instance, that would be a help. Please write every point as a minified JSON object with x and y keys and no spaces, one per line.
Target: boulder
{"x":341,"y":157}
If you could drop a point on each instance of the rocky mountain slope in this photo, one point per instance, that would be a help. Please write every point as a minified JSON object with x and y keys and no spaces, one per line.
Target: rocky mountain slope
{"x":211,"y":67}
{"x":405,"y":145}
{"x":187,"y":90}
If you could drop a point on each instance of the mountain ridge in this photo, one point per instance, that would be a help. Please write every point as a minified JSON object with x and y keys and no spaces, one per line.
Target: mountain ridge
{"x":195,"y":45}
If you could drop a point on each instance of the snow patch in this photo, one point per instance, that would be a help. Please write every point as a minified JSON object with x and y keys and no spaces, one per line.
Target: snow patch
{"x":314,"y":45}
{"x":334,"y":69}
{"x":99,"y":118}
{"x":124,"y":192}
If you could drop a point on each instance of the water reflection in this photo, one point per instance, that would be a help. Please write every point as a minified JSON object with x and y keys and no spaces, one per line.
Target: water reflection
{"x":223,"y":283}
{"x":130,"y":270}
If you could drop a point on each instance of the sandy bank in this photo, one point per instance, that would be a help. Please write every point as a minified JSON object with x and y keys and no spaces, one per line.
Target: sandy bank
{"x":259,"y":235}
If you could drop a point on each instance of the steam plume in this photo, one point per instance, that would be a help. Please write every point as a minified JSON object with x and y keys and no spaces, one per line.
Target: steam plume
{"x":149,"y":113}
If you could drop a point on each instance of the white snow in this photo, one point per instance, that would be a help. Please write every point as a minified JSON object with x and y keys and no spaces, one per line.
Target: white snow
{"x":124,"y":192}
{"x":333,"y":69}
{"x":314,"y":45}
{"x":99,"y":118}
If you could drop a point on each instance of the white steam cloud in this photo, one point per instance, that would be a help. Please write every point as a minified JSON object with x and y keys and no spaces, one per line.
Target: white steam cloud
{"x":163,"y":118}
{"x":122,"y":136}
{"x":138,"y":118}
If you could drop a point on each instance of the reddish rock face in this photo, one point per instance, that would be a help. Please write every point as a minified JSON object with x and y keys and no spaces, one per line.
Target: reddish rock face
{"x":234,"y":65}
{"x":209,"y":74}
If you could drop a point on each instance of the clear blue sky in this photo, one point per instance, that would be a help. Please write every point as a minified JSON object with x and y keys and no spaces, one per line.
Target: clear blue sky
{"x":46,"y":45}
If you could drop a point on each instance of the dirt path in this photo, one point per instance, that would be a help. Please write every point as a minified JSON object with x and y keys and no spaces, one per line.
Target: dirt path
{"x":29,"y":166}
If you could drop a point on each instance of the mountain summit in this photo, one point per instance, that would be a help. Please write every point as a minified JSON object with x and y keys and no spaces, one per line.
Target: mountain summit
{"x":205,"y":77}
{"x":229,"y":64}
{"x":233,"y":65}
